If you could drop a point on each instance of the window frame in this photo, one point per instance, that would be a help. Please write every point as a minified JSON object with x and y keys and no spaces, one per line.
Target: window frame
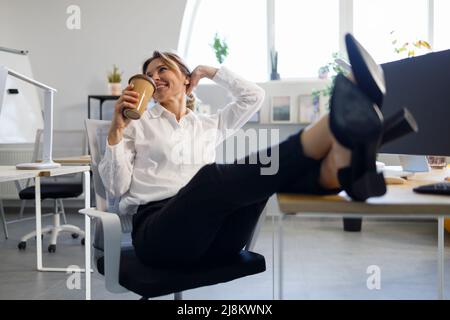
{"x":345,"y":26}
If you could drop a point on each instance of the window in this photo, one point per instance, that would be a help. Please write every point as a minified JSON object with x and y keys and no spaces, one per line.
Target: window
{"x":306,"y":35}
{"x":441,"y":25}
{"x":243,"y":24}
{"x":375,"y":20}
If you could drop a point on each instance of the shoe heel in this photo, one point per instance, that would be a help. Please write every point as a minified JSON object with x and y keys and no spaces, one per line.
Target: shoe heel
{"x":370,"y":184}
{"x":398,"y":125}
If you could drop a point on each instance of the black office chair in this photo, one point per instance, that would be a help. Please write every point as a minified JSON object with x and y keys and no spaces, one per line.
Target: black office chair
{"x":56,"y":191}
{"x":115,"y":257}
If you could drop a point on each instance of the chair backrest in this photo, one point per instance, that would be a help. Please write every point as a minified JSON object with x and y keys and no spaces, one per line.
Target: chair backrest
{"x":97,"y":133}
{"x":66,"y":143}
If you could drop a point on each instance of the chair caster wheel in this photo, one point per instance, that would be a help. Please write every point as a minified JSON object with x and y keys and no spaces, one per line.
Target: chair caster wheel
{"x":75,"y":235}
{"x":52,"y":248}
{"x":22,"y":245}
{"x":82,"y":242}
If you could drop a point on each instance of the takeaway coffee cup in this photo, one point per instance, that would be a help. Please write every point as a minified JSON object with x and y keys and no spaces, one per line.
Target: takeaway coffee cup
{"x":145,"y":86}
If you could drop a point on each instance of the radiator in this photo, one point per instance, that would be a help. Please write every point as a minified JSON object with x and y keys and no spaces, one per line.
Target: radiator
{"x":12,"y":156}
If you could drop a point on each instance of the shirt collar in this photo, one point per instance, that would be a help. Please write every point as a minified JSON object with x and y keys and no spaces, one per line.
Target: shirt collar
{"x":158,"y":110}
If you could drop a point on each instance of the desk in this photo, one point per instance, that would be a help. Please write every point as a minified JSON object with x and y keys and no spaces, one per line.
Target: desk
{"x":399,"y":202}
{"x":76,"y":160}
{"x":101,"y":99}
{"x":80,"y":160}
{"x":10,"y":173}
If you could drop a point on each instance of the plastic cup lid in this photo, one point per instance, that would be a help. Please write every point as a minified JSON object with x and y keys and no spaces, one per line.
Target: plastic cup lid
{"x":143,"y":76}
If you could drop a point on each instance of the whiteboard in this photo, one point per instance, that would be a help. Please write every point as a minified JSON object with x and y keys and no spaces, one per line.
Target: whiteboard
{"x":20,"y":114}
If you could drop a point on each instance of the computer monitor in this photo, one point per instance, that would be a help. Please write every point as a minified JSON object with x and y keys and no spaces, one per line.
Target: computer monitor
{"x":422,"y":84}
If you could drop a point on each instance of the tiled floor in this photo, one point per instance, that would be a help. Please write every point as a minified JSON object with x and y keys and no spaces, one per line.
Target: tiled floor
{"x":321,"y":262}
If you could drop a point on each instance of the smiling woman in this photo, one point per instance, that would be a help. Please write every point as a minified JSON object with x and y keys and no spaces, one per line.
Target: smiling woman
{"x":156,"y":68}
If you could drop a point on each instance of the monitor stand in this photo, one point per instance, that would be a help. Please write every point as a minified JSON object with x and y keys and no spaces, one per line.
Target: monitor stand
{"x":408,"y":166}
{"x":414,"y":163}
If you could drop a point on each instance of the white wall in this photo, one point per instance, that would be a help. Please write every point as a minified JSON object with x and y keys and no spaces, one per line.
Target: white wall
{"x":76,"y":61}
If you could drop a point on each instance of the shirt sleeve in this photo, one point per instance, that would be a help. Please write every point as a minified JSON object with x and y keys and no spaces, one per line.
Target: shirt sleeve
{"x":116,"y":166}
{"x":247,"y":100}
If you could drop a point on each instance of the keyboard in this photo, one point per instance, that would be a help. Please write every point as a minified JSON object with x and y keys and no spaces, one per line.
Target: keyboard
{"x":435,"y":188}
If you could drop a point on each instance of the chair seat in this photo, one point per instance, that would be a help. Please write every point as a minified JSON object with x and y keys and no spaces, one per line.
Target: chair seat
{"x":53,"y":191}
{"x":152,"y":282}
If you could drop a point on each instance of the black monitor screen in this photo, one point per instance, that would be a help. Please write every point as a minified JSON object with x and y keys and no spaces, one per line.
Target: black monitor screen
{"x":422,"y":84}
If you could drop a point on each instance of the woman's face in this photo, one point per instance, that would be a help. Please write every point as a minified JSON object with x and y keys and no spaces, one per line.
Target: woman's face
{"x":169,"y":83}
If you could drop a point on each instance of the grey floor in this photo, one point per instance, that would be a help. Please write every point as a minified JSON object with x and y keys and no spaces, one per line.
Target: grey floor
{"x":321,"y":262}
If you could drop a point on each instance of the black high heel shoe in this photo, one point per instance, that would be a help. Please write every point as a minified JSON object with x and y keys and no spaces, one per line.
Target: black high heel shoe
{"x":398,"y":125}
{"x":369,"y":77}
{"x":357,"y":123}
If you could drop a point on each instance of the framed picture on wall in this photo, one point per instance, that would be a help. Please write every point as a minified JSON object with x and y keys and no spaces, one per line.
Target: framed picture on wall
{"x":309,"y":108}
{"x":281,"y":109}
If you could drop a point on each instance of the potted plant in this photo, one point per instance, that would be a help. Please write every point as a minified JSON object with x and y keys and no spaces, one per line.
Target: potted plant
{"x":114,"y":81}
{"x":334,"y":68}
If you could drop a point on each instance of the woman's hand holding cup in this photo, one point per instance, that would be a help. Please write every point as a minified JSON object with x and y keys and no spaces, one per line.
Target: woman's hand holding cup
{"x":128,"y":99}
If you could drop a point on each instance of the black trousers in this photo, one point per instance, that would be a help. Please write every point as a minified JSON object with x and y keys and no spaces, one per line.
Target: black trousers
{"x":213,"y":216}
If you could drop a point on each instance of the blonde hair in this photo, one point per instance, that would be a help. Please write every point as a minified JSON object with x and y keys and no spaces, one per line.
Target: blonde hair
{"x":175,"y":63}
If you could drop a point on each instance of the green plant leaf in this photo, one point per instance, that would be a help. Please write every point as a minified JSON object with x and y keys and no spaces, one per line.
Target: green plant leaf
{"x":220,"y":48}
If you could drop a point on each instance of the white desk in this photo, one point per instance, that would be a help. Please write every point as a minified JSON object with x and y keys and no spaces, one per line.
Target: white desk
{"x":10,"y":173}
{"x":399,"y":202}
{"x":74,"y":160}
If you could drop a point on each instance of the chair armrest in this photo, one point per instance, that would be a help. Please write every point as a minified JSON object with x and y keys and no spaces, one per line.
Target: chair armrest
{"x":112,"y":234}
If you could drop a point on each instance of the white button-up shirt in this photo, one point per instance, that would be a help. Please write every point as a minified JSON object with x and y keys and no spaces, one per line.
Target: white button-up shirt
{"x":158,"y":155}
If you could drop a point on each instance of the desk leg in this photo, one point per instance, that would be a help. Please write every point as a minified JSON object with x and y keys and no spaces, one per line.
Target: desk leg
{"x":274,"y":295}
{"x":280,"y":256}
{"x":87,"y":233}
{"x":89,"y":108}
{"x":2,"y":213}
{"x":441,"y":258}
{"x":37,"y":197}
{"x":101,"y":110}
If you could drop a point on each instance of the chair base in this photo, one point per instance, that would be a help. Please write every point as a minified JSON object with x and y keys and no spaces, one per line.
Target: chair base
{"x":54,"y":230}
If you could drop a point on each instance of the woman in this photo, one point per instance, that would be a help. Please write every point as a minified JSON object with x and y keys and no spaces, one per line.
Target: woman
{"x":184,"y":211}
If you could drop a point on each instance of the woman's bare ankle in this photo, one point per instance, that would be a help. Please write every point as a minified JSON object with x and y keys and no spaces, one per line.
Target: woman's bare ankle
{"x":328,"y":173}
{"x":339,"y":157}
{"x":316,"y":139}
